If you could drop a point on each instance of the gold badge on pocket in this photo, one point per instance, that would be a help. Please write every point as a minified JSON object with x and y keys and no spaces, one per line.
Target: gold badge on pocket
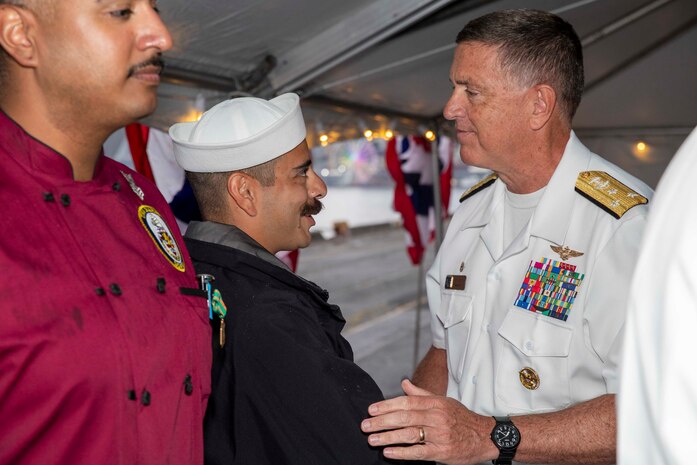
{"x":529,"y":378}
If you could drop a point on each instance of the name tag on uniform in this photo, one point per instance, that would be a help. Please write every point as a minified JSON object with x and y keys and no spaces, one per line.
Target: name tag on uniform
{"x":455,"y":281}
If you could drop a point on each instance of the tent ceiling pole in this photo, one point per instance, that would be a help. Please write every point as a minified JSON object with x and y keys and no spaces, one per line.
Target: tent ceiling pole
{"x":357,"y":107}
{"x":592,"y":38}
{"x":622,"y":22}
{"x":619,"y":66}
{"x":191,"y":78}
{"x":634,"y":131}
{"x":356,"y":33}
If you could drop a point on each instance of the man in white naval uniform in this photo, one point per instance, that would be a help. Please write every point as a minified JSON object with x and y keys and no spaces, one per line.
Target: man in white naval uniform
{"x":529,"y":289}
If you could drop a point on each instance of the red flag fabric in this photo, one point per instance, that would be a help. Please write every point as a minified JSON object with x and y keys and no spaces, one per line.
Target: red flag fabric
{"x":403,"y":204}
{"x":137,"y":135}
{"x":409,"y":162}
{"x":445,"y":152}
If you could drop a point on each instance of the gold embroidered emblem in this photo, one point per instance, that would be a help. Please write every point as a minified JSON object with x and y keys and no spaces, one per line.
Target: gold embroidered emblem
{"x":565,"y":252}
{"x":608,"y":193}
{"x":481,"y":185}
{"x":161,"y":235}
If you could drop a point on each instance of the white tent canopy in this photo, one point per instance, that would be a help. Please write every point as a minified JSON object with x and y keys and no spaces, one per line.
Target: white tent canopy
{"x":384,"y":64}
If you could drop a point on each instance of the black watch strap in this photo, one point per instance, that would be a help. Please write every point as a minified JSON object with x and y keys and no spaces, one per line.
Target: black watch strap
{"x":505,"y":454}
{"x":505,"y":457}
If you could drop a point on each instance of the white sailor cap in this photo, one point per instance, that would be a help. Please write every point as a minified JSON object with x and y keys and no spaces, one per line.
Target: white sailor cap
{"x":239,"y":133}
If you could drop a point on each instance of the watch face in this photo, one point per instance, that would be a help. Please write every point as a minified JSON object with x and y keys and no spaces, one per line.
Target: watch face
{"x":506,"y":436}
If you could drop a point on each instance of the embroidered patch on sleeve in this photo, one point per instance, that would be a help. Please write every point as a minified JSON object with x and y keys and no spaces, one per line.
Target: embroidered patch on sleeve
{"x":550,"y":288}
{"x":161,"y":235}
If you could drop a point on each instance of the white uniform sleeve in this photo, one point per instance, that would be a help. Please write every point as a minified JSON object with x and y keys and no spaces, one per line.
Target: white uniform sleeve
{"x":433,"y":291}
{"x":607,"y":293}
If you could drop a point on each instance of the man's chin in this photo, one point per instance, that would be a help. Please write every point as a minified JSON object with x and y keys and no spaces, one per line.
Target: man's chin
{"x":298,"y":243}
{"x":146,"y":109}
{"x":142,"y":103}
{"x":305,"y":241}
{"x":472,"y":157}
{"x":133,"y":115}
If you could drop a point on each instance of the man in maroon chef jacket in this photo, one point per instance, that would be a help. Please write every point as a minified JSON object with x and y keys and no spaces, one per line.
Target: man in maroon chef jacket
{"x":104,"y":344}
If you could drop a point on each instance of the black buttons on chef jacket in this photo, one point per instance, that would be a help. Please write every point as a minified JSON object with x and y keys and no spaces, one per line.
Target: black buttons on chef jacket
{"x":146,"y":397}
{"x":188,"y":385}
{"x":161,"y":285}
{"x":115,"y":289}
{"x":49,"y":197}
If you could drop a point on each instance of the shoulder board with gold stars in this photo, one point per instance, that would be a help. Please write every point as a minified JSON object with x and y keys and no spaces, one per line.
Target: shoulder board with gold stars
{"x":608,"y":193}
{"x":481,"y":185}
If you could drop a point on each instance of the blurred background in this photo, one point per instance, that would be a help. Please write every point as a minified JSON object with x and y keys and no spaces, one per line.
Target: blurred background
{"x":374,"y":71}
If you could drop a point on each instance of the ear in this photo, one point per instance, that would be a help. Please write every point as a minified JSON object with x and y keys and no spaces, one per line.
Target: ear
{"x":16,"y":27}
{"x":243,"y":190}
{"x":544,"y":100}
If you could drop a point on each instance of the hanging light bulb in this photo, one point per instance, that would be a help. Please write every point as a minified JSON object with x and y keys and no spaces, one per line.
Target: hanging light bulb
{"x":641,"y":150}
{"x":194,"y":112}
{"x":388,"y":134}
{"x":430,"y":135}
{"x":191,"y":116}
{"x":368,"y":133}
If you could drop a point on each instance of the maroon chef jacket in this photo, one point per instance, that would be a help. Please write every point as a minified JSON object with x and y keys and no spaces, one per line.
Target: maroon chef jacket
{"x":103,"y":359}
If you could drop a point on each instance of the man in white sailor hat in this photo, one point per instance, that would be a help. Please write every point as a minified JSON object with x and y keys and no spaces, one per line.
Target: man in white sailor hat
{"x":285,"y":388}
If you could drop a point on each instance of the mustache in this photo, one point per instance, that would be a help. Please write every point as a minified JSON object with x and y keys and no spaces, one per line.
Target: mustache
{"x":312,"y":208}
{"x":157,"y":61}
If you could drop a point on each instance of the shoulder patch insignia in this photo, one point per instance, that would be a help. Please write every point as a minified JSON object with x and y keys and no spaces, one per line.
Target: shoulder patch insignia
{"x":161,"y":235}
{"x":481,"y":185}
{"x":608,"y":193}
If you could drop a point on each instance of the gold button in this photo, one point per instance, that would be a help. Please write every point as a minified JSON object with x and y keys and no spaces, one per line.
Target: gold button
{"x":529,"y":378}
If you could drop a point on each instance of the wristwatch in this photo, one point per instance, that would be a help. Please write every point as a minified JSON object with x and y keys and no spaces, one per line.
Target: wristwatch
{"x":506,"y":438}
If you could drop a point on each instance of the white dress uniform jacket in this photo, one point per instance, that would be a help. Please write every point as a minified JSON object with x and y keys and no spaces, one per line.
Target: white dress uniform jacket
{"x":489,"y":339}
{"x":657,"y":417}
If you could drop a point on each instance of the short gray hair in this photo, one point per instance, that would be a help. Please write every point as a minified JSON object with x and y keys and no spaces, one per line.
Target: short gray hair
{"x":535,"y":47}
